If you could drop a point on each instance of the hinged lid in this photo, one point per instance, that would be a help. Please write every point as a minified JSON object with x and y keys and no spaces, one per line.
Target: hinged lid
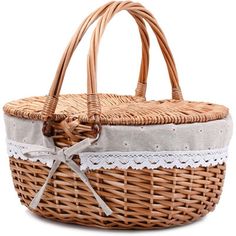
{"x":121,"y":110}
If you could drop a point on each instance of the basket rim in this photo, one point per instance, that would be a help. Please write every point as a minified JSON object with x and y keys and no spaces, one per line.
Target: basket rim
{"x":120,"y":110}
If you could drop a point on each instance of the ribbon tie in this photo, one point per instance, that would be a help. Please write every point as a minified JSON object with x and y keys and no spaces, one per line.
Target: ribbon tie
{"x":62,"y":155}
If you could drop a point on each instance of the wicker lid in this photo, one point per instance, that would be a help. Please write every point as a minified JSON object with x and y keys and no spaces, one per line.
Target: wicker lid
{"x":121,"y":110}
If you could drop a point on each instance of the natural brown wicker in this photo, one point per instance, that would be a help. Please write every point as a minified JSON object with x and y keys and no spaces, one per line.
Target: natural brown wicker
{"x":138,"y":198}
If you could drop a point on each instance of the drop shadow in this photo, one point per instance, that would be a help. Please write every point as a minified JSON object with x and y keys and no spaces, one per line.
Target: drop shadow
{"x":95,"y":229}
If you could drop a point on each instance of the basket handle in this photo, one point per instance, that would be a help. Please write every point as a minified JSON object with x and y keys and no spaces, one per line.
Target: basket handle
{"x":94,"y":107}
{"x":52,"y":98}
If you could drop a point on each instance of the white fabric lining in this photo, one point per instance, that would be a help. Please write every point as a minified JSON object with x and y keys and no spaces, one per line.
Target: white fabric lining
{"x":196,"y":144}
{"x":196,"y":136}
{"x":125,"y":160}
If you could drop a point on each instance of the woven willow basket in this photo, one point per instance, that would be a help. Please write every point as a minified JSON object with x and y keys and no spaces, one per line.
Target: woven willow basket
{"x":112,"y":161}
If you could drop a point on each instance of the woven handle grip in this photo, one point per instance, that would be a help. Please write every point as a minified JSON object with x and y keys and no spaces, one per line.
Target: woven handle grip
{"x":52,"y":98}
{"x":94,"y":107}
{"x":107,"y":12}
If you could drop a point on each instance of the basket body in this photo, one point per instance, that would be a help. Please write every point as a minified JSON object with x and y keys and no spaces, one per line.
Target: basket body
{"x":115,"y":161}
{"x":140,"y":199}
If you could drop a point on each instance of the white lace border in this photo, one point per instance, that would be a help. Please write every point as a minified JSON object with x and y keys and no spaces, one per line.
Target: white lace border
{"x":124,"y":160}
{"x":153,"y":160}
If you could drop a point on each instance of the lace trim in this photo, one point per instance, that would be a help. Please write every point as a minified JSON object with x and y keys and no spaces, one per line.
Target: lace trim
{"x":153,"y":160}
{"x":15,"y":149}
{"x":125,"y":160}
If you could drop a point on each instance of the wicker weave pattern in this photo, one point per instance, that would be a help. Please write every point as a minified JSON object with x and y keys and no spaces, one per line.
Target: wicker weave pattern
{"x":139,"y":199}
{"x":120,"y":110}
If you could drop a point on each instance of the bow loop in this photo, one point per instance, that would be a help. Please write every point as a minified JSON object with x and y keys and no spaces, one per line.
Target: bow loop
{"x":61,"y":155}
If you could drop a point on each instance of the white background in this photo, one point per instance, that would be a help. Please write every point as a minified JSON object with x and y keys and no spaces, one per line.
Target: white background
{"x":33,"y":35}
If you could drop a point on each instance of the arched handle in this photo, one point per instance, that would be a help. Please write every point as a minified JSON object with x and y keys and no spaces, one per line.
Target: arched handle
{"x":136,"y":9}
{"x":52,"y":98}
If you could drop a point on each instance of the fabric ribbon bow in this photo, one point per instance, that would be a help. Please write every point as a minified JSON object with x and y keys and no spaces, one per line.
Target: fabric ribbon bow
{"x":63,"y":155}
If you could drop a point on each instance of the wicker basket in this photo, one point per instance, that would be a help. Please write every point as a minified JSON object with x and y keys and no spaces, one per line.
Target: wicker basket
{"x":112,"y":161}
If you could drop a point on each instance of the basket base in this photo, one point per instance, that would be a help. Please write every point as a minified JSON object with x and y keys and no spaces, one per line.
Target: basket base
{"x":87,"y":224}
{"x":140,"y":199}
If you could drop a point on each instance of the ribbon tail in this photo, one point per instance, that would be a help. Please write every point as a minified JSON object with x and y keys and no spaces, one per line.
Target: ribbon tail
{"x":107,"y":210}
{"x":34,"y":203}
